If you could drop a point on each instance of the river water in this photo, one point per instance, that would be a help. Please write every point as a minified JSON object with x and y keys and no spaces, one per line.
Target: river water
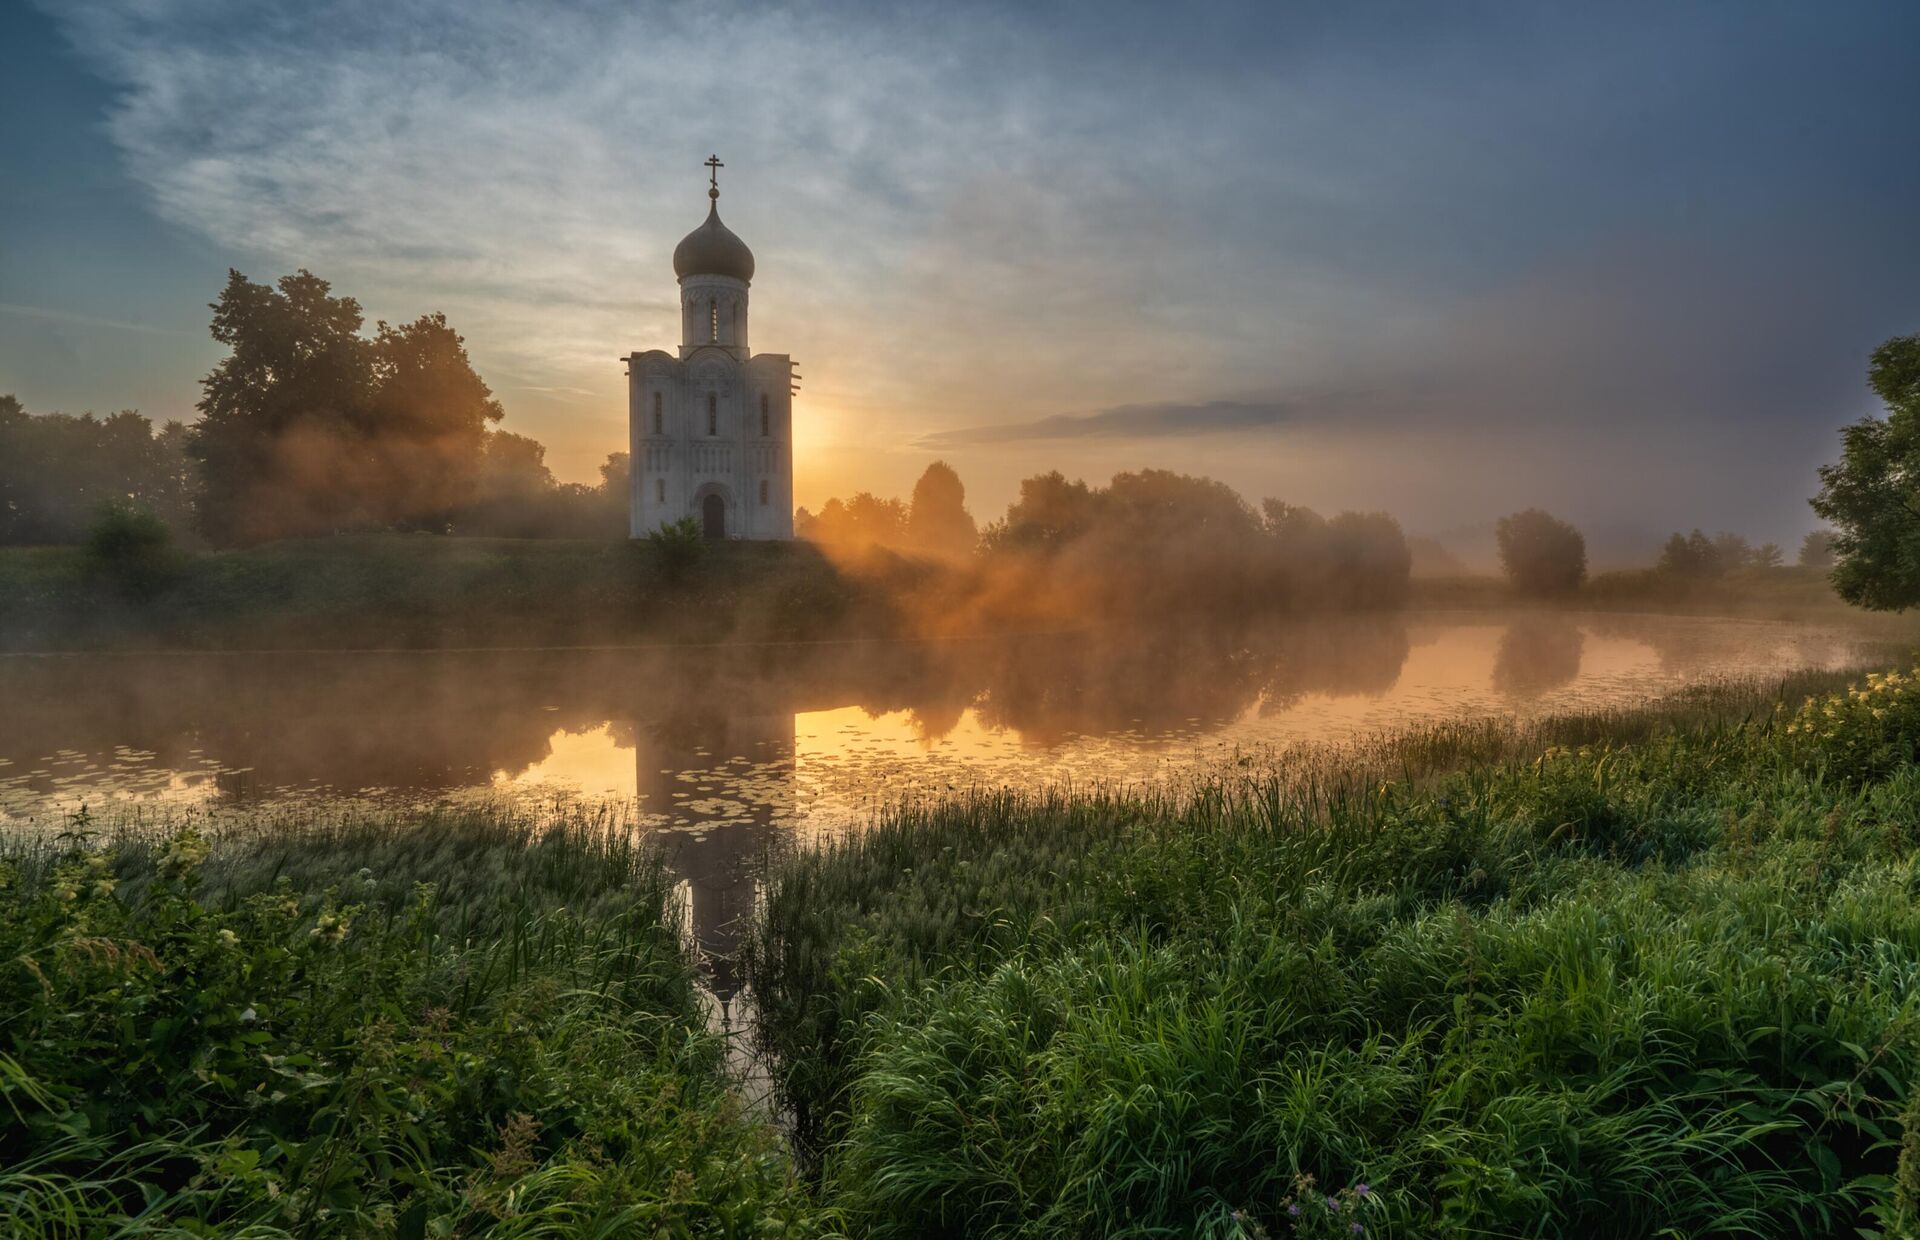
{"x":727,"y":751}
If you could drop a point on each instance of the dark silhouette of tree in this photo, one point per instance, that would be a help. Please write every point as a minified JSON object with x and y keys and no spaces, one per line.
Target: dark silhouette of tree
{"x":310,"y":427}
{"x":1816,"y":550}
{"x":59,"y":471}
{"x":1542,"y":554}
{"x":937,"y":518}
{"x":1690,"y":555}
{"x":866,"y":520}
{"x":1049,"y":513}
{"x":1871,"y":496}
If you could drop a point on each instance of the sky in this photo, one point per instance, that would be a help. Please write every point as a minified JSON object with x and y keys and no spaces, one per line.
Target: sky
{"x":1621,"y":261}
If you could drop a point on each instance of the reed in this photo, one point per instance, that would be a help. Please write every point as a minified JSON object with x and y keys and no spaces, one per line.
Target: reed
{"x":1649,"y":973}
{"x":351,"y":1023}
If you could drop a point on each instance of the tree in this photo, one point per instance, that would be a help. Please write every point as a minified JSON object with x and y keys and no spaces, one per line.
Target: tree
{"x":310,"y":427}
{"x":58,"y":471}
{"x":1049,"y":513}
{"x":1691,"y":555}
{"x":1871,"y":496}
{"x":937,"y":518}
{"x":1768,"y":555}
{"x":865,"y":520}
{"x":1816,"y":550}
{"x":1542,"y":554}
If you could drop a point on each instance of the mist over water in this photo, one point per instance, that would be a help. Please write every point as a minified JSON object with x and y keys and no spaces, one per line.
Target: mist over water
{"x":818,"y":735}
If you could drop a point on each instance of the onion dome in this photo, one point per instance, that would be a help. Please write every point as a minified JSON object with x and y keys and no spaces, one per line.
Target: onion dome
{"x":713,"y":250}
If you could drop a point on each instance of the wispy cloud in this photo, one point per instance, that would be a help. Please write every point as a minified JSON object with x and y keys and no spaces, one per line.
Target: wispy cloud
{"x":1132,"y":421}
{"x":84,"y":320}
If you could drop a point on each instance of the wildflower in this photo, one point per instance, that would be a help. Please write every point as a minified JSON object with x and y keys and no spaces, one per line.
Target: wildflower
{"x":1333,"y":1203}
{"x":228,"y":938}
{"x":1293,"y":1210}
{"x":331,"y":928}
{"x":249,"y":1016}
{"x":102,"y":888}
{"x":184,"y":852}
{"x":1356,"y":1229}
{"x":1363,"y":1190}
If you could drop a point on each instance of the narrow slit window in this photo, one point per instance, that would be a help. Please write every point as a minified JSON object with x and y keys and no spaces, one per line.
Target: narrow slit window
{"x":659,"y":490}
{"x":659,"y":421}
{"x":763,"y":492}
{"x":765,"y":421}
{"x":713,"y":318}
{"x":713,"y":413}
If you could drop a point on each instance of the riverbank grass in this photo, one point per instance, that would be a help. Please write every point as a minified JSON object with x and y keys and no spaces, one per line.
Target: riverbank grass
{"x":1665,"y":982}
{"x":449,"y":1025}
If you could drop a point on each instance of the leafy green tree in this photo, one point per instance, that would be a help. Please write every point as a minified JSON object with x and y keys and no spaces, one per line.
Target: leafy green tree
{"x":308,"y":426}
{"x":1542,"y":554}
{"x":1871,"y":496}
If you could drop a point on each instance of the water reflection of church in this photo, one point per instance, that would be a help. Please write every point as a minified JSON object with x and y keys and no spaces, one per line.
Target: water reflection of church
{"x":720,"y":783}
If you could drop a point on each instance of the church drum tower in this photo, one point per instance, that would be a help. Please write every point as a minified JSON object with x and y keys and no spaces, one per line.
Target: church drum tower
{"x":711,"y":431}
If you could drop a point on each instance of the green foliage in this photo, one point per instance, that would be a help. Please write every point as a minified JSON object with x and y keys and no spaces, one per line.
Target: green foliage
{"x":1541,"y":554}
{"x":270,"y":1043}
{"x":132,"y":548}
{"x":58,"y":471}
{"x":310,"y":427}
{"x":678,"y":545}
{"x":1871,"y":496}
{"x":1645,"y":979}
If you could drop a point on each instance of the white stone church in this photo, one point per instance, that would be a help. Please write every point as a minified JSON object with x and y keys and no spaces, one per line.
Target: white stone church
{"x":711,"y":431}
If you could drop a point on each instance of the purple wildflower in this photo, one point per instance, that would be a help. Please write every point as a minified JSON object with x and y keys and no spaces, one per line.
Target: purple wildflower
{"x":1362,"y":1190}
{"x":1333,"y":1203}
{"x":1293,"y":1210}
{"x":1356,"y":1229}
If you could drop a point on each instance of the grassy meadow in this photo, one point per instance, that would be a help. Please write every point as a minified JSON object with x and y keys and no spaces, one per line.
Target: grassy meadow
{"x":1647,"y":973}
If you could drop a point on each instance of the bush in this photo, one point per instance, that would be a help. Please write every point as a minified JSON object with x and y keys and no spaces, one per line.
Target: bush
{"x":132,"y":548}
{"x":1542,"y":554}
{"x":678,"y":545}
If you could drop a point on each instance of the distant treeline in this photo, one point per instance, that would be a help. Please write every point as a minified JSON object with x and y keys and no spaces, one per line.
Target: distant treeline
{"x":309,"y":426}
{"x":1148,"y":540}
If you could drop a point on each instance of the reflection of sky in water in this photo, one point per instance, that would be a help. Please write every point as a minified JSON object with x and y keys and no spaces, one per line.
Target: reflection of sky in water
{"x":715,"y":744}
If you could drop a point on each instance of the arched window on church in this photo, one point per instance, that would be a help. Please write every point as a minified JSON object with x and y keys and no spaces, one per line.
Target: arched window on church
{"x":763,"y":492}
{"x":659,"y":421}
{"x":659,"y":490}
{"x":713,"y":413}
{"x":764,"y":421}
{"x":713,"y":318}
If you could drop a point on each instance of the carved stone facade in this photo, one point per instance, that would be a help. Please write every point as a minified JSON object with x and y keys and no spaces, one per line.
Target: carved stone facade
{"x":711,"y":430}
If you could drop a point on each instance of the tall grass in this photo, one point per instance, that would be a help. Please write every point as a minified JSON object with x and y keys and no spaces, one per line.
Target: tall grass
{"x":1653,"y":974}
{"x":457,"y":1023}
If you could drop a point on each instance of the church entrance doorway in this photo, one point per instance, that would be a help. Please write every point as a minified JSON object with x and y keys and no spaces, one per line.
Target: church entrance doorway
{"x":713,"y":516}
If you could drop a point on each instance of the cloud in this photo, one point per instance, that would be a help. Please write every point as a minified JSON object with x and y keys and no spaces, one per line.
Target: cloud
{"x":1129,"y":421}
{"x":84,"y":320}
